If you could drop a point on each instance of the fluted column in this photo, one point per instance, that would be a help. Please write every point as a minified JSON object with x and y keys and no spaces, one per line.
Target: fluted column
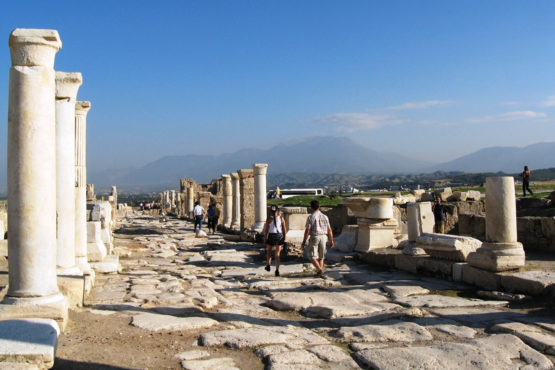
{"x":81,"y":110}
{"x":236,"y":201}
{"x":32,"y":170}
{"x":67,"y":85}
{"x":501,"y":251}
{"x":228,"y":201}
{"x":260,"y":170}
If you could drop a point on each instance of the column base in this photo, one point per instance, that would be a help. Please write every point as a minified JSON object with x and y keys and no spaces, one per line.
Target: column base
{"x":498,"y":257}
{"x":235,"y":226}
{"x":73,"y":288}
{"x":258,"y":226}
{"x":53,"y":307}
{"x":69,"y":271}
{"x":412,"y":249}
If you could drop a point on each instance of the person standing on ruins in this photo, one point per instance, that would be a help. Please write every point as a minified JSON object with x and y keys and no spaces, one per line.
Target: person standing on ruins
{"x":439,"y":216}
{"x":198,"y":213}
{"x":526,"y":181}
{"x":319,"y":229}
{"x":274,"y":236}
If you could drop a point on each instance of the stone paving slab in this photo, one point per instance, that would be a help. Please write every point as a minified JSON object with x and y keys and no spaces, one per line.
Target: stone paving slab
{"x":29,"y":341}
{"x":155,"y":322}
{"x":441,"y":301}
{"x":224,"y":363}
{"x":503,"y":351}
{"x":259,"y":271}
{"x":404,"y":290}
{"x":476,"y":317}
{"x":192,"y":355}
{"x":330,"y":304}
{"x":259,"y":336}
{"x":531,"y":335}
{"x":544,"y":322}
{"x":387,"y":331}
{"x":449,"y":327}
{"x":529,"y":282}
{"x":282,"y":283}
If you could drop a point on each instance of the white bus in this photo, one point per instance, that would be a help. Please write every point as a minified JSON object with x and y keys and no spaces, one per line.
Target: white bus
{"x":288,"y":193}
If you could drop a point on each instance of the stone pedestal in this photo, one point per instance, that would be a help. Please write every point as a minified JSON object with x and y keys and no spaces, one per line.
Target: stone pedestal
{"x":32,"y":178}
{"x":450,"y":247}
{"x":228,"y":200}
{"x":501,"y":251}
{"x":420,"y":220}
{"x":259,"y":171}
{"x":236,"y":201}
{"x":373,"y":208}
{"x":67,"y":85}
{"x":347,"y":241}
{"x":96,"y":250}
{"x":81,"y":110}
{"x":375,"y":234}
{"x":295,"y":221}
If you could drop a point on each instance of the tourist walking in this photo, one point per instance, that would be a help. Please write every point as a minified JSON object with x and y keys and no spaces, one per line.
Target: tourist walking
{"x":439,"y":216}
{"x":274,"y":237}
{"x":319,"y":229}
{"x":198,"y":214}
{"x":212,"y":218}
{"x":526,"y":181}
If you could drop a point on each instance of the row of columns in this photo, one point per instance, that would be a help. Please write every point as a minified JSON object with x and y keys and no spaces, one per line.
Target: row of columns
{"x":245,"y":190}
{"x":243,"y":198}
{"x":46,"y":172}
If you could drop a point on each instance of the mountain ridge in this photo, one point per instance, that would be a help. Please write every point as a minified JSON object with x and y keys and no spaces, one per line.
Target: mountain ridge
{"x":323,"y":155}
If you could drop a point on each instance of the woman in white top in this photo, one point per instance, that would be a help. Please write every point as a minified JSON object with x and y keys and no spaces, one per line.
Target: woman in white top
{"x":274,"y":236}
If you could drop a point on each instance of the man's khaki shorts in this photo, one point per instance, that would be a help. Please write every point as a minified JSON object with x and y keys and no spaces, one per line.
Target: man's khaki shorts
{"x":317,"y":246}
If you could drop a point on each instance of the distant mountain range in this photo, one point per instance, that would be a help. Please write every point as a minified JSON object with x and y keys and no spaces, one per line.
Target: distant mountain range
{"x":503,"y":158}
{"x":320,"y":155}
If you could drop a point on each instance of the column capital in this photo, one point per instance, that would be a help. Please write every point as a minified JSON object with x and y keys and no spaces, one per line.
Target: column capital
{"x":67,"y":85}
{"x":34,"y":47}
{"x":260,"y":168}
{"x":245,"y":173}
{"x":234,"y":176}
{"x":226,"y":177}
{"x":82,"y":107}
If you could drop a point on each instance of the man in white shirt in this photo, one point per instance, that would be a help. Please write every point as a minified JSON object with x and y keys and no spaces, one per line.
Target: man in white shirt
{"x":319,"y":229}
{"x":198,"y":213}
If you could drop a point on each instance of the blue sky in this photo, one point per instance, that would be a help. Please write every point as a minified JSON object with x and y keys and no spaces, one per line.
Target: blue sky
{"x":432,"y":80}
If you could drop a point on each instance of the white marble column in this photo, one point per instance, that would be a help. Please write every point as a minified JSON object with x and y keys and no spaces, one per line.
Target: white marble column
{"x":81,"y":110}
{"x":32,"y":171}
{"x":236,"y":201}
{"x":67,"y":85}
{"x":190,"y":202}
{"x":260,"y":170}
{"x":501,"y":251}
{"x":228,"y":201}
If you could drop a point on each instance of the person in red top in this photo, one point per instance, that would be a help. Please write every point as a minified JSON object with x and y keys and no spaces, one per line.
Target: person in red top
{"x":319,"y":229}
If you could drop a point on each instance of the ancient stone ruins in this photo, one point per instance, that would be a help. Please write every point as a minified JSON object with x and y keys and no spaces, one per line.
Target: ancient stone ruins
{"x":389,"y":297}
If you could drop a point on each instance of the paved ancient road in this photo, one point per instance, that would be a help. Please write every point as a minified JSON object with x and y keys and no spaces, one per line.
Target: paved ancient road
{"x":219,"y":292}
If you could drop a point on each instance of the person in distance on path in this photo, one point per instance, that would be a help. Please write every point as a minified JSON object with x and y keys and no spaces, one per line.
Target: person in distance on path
{"x":274,"y":236}
{"x":319,"y":229}
{"x":526,"y":181}
{"x":198,"y":212}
